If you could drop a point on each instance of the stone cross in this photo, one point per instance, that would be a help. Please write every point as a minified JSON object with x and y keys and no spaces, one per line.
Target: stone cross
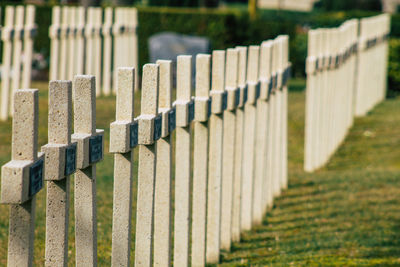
{"x":184,"y":116}
{"x":200,"y":159}
{"x":284,"y":137}
{"x":237,"y":183}
{"x":312,"y":65}
{"x":123,"y":138}
{"x":118,"y":34}
{"x":275,"y":117}
{"x":80,"y":42}
{"x":29,"y":33}
{"x":93,"y":45}
{"x":54,"y":34}
{"x":266,"y":87}
{"x":272,"y":134}
{"x":134,"y":45}
{"x":107,"y":49}
{"x":6,"y":37}
{"x":60,"y":161}
{"x":261,"y":133}
{"x":149,"y":132}
{"x":62,"y":72}
{"x":71,"y":49}
{"x":97,"y":25}
{"x":219,"y":99}
{"x":90,"y":150}
{"x":22,"y":178}
{"x":228,"y":146}
{"x":17,"y":51}
{"x":249,"y":137}
{"x":163,"y":184}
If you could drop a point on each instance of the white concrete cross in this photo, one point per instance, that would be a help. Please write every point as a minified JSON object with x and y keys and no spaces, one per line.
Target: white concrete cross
{"x":64,"y":32}
{"x":150,"y":124}
{"x":17,"y":50}
{"x":183,"y":179}
{"x":29,"y":33}
{"x":6,"y":37}
{"x":228,"y":146}
{"x":261,"y":134}
{"x":163,"y":184}
{"x":60,"y":161}
{"x":71,"y":36}
{"x":200,"y":159}
{"x":219,"y":99}
{"x":123,"y":138}
{"x":22,"y":178}
{"x":107,"y":49}
{"x":249,"y":136}
{"x":54,"y":34}
{"x":90,"y":150}
{"x":237,"y":184}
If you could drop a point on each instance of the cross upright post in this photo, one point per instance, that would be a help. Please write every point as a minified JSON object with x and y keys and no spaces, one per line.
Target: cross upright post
{"x":228,"y":146}
{"x":200,"y":159}
{"x":261,"y":133}
{"x":54,"y":34}
{"x":149,"y":132}
{"x":29,"y":33}
{"x":249,"y":136}
{"x":123,"y":138}
{"x":238,"y":180}
{"x":90,"y":150}
{"x":7,"y":38}
{"x":184,"y":116}
{"x":60,"y":161}
{"x":219,"y":102}
{"x":163,"y":184}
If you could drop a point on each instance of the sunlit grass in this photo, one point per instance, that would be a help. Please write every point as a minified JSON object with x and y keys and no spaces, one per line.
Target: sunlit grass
{"x":346,"y":214}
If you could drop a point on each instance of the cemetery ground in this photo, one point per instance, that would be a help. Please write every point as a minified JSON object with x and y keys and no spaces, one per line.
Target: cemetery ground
{"x":346,"y":214}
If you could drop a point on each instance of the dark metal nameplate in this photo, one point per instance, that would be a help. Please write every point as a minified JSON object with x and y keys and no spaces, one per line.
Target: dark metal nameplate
{"x":209,"y":103}
{"x":237,"y":97}
{"x":157,"y":127}
{"x":36,"y":177}
{"x":133,"y":134}
{"x":171,"y":120}
{"x":95,"y":148}
{"x":70,"y":159}
{"x":258,"y":90}
{"x":224,"y":100}
{"x":245,"y":94}
{"x":191,"y":111}
{"x":270,"y":86}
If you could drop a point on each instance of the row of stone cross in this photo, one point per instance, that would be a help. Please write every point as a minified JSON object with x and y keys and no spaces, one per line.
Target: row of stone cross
{"x":93,"y":41}
{"x":17,"y":36}
{"x":238,"y":117}
{"x":346,"y":77}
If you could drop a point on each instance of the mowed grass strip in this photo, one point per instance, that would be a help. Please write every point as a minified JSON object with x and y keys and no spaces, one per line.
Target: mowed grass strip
{"x":346,"y":214}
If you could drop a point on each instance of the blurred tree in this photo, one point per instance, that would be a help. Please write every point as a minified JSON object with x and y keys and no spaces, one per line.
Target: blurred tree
{"x":329,"y":5}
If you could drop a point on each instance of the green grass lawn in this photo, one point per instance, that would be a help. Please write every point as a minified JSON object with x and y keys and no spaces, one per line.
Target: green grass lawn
{"x":346,"y":214}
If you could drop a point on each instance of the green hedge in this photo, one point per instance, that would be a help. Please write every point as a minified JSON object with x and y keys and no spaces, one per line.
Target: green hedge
{"x":225,"y":28}
{"x":394,"y":65}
